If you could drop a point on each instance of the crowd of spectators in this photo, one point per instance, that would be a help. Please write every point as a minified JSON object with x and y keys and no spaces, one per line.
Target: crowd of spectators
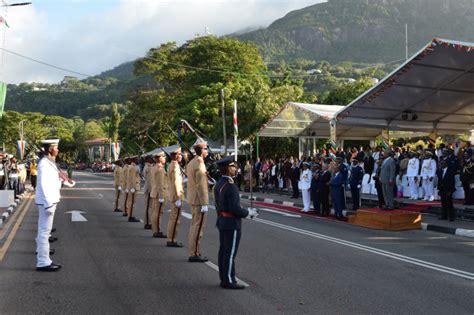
{"x":332,"y":174}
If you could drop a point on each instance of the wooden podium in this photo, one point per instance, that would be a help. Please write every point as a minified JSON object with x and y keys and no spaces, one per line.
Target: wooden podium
{"x":395,"y":220}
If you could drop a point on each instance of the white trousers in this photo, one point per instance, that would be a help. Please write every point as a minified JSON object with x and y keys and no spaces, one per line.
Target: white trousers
{"x":306,"y":199}
{"x":413,"y":187}
{"x":45,"y":224}
{"x":428,"y":187}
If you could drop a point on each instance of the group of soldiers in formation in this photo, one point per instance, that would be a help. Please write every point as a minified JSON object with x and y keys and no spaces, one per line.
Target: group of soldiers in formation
{"x":166,"y":184}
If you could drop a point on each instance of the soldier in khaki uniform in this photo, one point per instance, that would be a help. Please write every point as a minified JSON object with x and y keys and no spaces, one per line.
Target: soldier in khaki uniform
{"x":159,"y":189}
{"x":147,"y":190}
{"x":118,"y":182}
{"x":124,"y":184}
{"x":133,"y":186}
{"x":176,"y":196}
{"x":198,"y":198}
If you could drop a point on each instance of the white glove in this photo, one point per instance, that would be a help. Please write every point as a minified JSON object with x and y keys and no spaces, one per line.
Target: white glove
{"x":358,"y":186}
{"x":161,"y":200}
{"x":119,"y":188}
{"x":126,"y":190}
{"x":253,"y":213}
{"x":178,"y":203}
{"x":204,"y":209}
{"x":132,"y":190}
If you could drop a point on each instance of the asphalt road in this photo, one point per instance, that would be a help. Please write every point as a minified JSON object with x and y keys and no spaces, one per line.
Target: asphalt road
{"x":292,"y":265}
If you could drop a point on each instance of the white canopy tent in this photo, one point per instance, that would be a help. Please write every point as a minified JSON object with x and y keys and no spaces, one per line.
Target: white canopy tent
{"x":432,"y":92}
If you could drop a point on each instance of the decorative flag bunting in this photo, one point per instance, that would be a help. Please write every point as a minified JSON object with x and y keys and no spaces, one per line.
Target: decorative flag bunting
{"x":21,"y":148}
{"x":236,"y":130}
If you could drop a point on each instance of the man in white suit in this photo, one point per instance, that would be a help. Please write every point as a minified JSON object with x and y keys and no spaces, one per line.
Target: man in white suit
{"x":305,"y":186}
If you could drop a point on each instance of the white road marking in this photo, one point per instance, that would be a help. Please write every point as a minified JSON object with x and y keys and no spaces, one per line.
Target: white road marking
{"x":186,"y":215}
{"x":414,"y":261}
{"x":282,"y":213}
{"x":216,"y":268}
{"x":101,"y":196}
{"x":76,"y":216}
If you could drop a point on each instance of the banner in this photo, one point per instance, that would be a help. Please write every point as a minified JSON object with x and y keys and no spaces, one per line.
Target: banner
{"x":21,"y":144}
{"x":116,"y":150}
{"x":91,"y":153}
{"x":3,"y":95}
{"x":236,"y":131}
{"x":385,"y":137}
{"x":101,"y":152}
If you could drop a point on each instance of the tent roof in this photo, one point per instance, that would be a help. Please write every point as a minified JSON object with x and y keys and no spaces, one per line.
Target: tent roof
{"x":311,"y":120}
{"x":158,"y":150}
{"x":435,"y":85}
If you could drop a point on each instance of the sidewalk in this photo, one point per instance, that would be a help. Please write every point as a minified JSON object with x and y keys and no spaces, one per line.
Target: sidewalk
{"x":429,"y":217}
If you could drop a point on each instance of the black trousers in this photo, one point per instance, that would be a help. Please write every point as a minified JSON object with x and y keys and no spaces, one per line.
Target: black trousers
{"x":315,"y":198}
{"x":447,"y":208}
{"x":355,"y":193}
{"x":324,"y":200}
{"x":378,"y":186}
{"x":229,"y":244}
{"x":296,"y":192}
{"x":33,"y":181}
{"x":468,"y":194}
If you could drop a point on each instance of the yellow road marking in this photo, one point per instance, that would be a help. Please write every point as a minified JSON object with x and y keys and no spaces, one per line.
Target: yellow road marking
{"x":6,"y":245}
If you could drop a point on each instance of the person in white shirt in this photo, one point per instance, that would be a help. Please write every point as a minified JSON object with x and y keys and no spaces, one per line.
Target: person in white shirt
{"x":413,"y":170}
{"x":305,"y":186}
{"x":47,"y":197}
{"x":428,"y":172}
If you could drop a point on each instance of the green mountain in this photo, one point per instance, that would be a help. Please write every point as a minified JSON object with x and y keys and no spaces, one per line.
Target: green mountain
{"x":363,"y":30}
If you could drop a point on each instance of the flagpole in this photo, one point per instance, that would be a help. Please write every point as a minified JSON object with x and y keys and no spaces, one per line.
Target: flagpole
{"x":236,"y":130}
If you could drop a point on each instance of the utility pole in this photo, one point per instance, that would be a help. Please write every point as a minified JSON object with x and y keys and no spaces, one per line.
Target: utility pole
{"x":221,"y":94}
{"x":406,"y":42}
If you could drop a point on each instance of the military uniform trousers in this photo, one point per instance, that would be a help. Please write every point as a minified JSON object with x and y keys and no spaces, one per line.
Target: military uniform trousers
{"x":173,"y":222}
{"x":229,"y":244}
{"x":131,"y":199}
{"x":157,"y":214}
{"x":413,"y":187}
{"x":196,"y":230}
{"x":428,"y":187}
{"x":118,"y":194}
{"x":45,"y":224}
{"x":148,"y":208}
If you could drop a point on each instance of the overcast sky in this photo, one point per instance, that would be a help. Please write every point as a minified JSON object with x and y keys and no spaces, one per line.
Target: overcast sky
{"x":91,"y":36}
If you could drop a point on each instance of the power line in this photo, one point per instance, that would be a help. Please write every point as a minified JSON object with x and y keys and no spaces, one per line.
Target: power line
{"x":44,"y":63}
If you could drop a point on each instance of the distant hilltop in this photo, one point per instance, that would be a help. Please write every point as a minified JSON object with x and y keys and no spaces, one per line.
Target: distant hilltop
{"x":363,"y":30}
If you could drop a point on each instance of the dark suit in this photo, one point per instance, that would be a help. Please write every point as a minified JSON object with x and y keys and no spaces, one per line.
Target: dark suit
{"x":446,"y":187}
{"x":323,"y":192}
{"x":315,"y":191}
{"x":355,"y":182}
{"x":337,"y":194}
{"x":229,"y":223}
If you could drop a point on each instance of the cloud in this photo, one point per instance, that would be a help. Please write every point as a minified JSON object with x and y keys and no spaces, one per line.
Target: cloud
{"x":119,"y":31}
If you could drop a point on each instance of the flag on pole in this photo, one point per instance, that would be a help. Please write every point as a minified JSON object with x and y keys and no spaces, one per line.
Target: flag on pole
{"x":3,"y":21}
{"x":21,"y":148}
{"x":91,"y":153}
{"x":116,"y":150}
{"x":101,"y":152}
{"x":236,"y":130}
{"x":3,"y":95}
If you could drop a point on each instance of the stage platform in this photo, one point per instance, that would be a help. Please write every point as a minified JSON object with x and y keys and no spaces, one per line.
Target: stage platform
{"x":395,"y":220}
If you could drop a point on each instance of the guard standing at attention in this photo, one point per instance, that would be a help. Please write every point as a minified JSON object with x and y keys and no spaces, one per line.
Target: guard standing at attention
{"x":355,"y":182}
{"x":133,"y":186}
{"x":229,"y":221}
{"x":147,"y":190}
{"x":159,"y":190}
{"x":118,"y":182}
{"x":198,"y":198}
{"x":176,"y":196}
{"x":47,"y":198}
{"x":124,"y":184}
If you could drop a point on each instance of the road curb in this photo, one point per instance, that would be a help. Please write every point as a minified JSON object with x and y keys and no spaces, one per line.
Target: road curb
{"x":6,"y":215}
{"x":424,"y":226}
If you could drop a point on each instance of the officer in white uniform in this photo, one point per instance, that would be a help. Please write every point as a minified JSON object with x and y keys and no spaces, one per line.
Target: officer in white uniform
{"x":47,"y":198}
{"x":428,"y":172}
{"x":305,"y":185}
{"x":413,"y":169}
